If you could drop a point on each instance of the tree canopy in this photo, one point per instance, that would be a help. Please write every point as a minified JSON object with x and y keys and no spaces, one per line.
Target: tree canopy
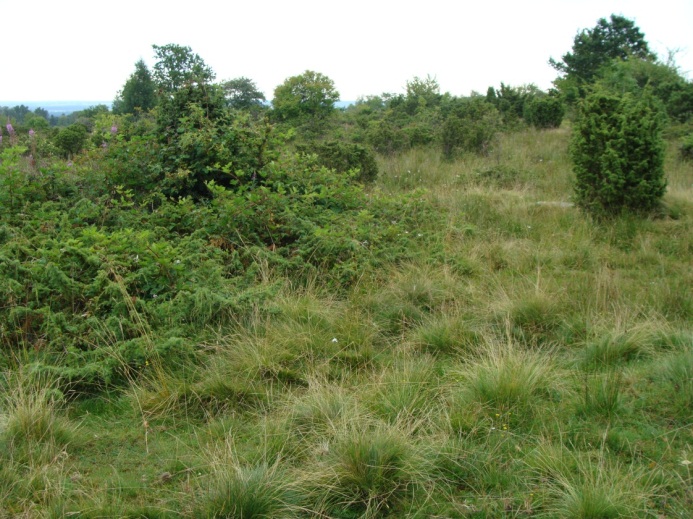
{"x":138,"y":92}
{"x":616,"y":38}
{"x":241,"y":93}
{"x":309,"y":95}
{"x":178,"y":66}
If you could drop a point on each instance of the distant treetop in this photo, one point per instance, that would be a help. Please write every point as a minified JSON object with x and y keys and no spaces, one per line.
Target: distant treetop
{"x":616,"y":38}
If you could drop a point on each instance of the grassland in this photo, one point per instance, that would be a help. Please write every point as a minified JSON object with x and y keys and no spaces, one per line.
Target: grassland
{"x":521,"y":361}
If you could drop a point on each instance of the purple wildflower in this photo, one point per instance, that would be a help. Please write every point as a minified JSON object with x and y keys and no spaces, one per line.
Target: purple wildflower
{"x":10,"y":130}
{"x":104,"y":145}
{"x":69,"y":163}
{"x":32,"y":133}
{"x":114,"y":129}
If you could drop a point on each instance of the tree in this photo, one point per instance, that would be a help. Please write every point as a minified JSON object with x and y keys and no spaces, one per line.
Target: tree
{"x":41,"y":112}
{"x":138,"y":93}
{"x":178,"y":67}
{"x":309,"y":96}
{"x":617,"y":38}
{"x":242,"y":93}
{"x":618,"y":154}
{"x":422,"y":93}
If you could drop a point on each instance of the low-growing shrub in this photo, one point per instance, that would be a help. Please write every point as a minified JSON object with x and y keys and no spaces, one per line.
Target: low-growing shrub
{"x":544,"y":112}
{"x":345,"y":158}
{"x":686,"y":148}
{"x":471,"y":126}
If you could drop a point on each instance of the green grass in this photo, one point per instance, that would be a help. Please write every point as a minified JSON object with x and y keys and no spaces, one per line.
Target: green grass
{"x":522,"y":360}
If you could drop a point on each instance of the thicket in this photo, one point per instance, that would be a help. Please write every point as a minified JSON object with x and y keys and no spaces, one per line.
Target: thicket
{"x":158,"y":223}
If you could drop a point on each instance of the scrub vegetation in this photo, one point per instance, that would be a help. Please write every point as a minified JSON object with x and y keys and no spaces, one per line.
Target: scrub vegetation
{"x":421,"y":305}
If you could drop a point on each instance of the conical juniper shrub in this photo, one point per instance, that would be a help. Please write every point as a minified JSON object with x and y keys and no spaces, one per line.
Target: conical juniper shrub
{"x":617,"y":151}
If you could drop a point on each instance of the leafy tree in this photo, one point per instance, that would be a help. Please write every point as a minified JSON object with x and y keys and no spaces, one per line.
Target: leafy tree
{"x":309,"y":96}
{"x":36,"y":122}
{"x":41,"y":112}
{"x":138,"y":93}
{"x":617,"y":38}
{"x":422,"y":93}
{"x":242,"y":93}
{"x":178,"y":67}
{"x":16,"y":113}
{"x":618,"y":154}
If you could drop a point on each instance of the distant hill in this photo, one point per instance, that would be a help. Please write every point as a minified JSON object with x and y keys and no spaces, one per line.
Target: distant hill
{"x":56,"y":108}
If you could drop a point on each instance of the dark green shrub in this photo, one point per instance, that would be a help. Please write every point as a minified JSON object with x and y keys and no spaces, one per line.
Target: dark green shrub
{"x":686,"y":148}
{"x":386,"y":138}
{"x":71,"y":140}
{"x":544,"y":112}
{"x":200,"y":141}
{"x":345,"y":157}
{"x":470,"y":127}
{"x":618,"y":155}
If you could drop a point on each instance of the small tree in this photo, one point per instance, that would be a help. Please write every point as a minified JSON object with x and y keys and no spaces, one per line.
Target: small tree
{"x":618,"y":154}
{"x":138,"y":92}
{"x":616,"y":38}
{"x":309,"y":96}
{"x":242,"y":94}
{"x":422,"y":94}
{"x":179,"y":67}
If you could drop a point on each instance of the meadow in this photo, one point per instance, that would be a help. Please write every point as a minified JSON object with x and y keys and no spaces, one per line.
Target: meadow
{"x":468,"y":344}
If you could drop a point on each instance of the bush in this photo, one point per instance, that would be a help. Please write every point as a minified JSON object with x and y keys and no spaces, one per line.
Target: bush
{"x":386,"y":138}
{"x":618,"y":155}
{"x":470,"y":127}
{"x":71,"y":140}
{"x":686,"y":148}
{"x":544,"y":112}
{"x":345,"y":157}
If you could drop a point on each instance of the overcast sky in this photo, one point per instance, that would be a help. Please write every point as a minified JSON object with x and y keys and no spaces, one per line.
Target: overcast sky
{"x":56,"y":50}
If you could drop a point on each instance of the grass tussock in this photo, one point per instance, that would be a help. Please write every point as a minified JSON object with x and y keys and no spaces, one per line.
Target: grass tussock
{"x":369,"y":472}
{"x":505,"y":384}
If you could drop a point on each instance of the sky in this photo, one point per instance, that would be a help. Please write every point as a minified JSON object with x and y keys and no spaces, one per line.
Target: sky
{"x":86,"y":50}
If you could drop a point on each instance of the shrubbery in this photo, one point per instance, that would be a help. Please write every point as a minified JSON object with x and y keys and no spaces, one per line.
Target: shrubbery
{"x":544,"y":112}
{"x":686,"y":148}
{"x":345,"y":157}
{"x":618,"y":155}
{"x":103,"y":281}
{"x":470,"y":127}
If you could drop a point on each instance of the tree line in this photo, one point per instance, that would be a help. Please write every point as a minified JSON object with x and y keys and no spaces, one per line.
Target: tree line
{"x":188,"y":129}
